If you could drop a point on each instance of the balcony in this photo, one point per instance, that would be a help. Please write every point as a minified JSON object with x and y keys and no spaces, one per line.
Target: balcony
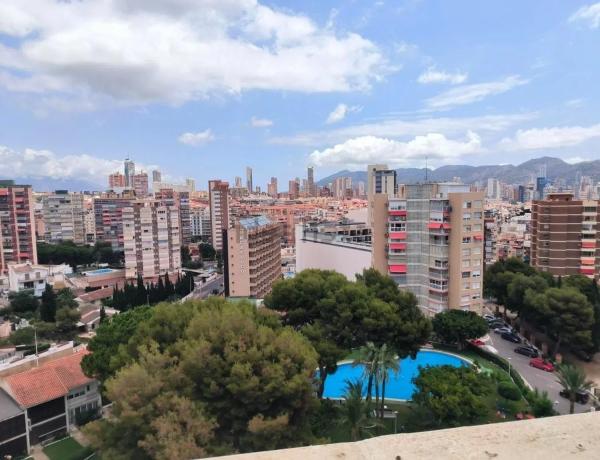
{"x":397,"y":212}
{"x":397,"y":235}
{"x":397,"y":268}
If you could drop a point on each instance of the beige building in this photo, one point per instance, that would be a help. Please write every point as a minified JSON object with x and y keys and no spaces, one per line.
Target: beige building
{"x":64,"y":217}
{"x":429,"y":238}
{"x":253,"y":257}
{"x":151,"y":239}
{"x":219,"y":211}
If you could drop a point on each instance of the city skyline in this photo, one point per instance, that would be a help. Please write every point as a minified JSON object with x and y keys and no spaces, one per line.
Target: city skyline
{"x":391,"y":95}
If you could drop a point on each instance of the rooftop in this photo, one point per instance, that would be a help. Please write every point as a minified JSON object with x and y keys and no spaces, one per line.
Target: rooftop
{"x":8,"y":407}
{"x":255,"y":222}
{"x":561,"y":437}
{"x":49,"y":381}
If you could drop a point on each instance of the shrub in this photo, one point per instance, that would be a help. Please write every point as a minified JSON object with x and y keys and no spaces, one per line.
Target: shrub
{"x":509,"y":390}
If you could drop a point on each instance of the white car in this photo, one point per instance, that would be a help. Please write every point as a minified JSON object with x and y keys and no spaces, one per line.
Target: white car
{"x":489,"y":317}
{"x":502,"y":330}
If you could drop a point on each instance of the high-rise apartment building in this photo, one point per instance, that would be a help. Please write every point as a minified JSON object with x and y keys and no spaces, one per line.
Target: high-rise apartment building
{"x":151,"y":239}
{"x":311,"y":188}
{"x":249,"y":184}
{"x":218,"y":196}
{"x":129,"y":170}
{"x":140,"y":184}
{"x":180,"y":200}
{"x":156,"y":176}
{"x":380,"y":179}
{"x":108,"y":213}
{"x":293,"y":189}
{"x":116,"y":180}
{"x":191,"y":185}
{"x":493,"y":189}
{"x":429,"y":239}
{"x":272,"y":187}
{"x":64,"y":217}
{"x":564,"y":238}
{"x":200,"y":219}
{"x":252,"y":253}
{"x":17,"y":224}
{"x":238,"y":182}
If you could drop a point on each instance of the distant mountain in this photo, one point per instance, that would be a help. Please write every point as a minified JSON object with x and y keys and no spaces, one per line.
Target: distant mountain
{"x":46,"y":184}
{"x":510,"y":174}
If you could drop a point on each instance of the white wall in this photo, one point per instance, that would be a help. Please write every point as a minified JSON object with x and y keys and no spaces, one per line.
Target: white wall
{"x":346,"y":260}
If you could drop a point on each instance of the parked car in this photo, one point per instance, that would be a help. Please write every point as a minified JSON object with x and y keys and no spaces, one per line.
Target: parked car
{"x":497,"y":324}
{"x":502,"y":330}
{"x":489,"y":317}
{"x":511,"y":337}
{"x":582,"y":397}
{"x":477,"y":342}
{"x":582,"y":355}
{"x":527,"y":351}
{"x":542,"y":364}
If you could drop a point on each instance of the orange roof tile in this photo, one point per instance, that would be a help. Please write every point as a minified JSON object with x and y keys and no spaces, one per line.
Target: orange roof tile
{"x":51,"y":380}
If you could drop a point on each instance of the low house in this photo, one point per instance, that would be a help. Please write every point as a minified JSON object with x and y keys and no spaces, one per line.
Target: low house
{"x":53,"y":396}
{"x":27,"y":276}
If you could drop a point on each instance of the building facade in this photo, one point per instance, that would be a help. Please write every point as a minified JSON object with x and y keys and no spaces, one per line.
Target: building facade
{"x":140,"y":184}
{"x":64,"y":217}
{"x":429,"y":239}
{"x":343,"y":247}
{"x":249,"y":183}
{"x":152,"y":242}
{"x":17,"y":225}
{"x":564,"y":238}
{"x":200,"y":220}
{"x":180,"y":200}
{"x":108,"y":214}
{"x":218,"y":196}
{"x":253,"y":257}
{"x":116,"y":180}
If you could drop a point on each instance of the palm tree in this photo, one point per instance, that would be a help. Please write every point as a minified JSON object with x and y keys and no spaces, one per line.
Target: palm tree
{"x":368,"y":357}
{"x":355,"y":410}
{"x":573,"y":380}
{"x":388,"y":361}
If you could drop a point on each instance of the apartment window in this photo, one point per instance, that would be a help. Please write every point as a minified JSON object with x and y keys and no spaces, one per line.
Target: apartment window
{"x":477,"y":227}
{"x":477,"y":204}
{"x":476,"y":250}
{"x":466,"y":252}
{"x":475,"y":285}
{"x":476,"y":273}
{"x":467,"y":205}
{"x":464,"y":298}
{"x":467,"y":228}
{"x":466,"y":239}
{"x":466,"y":274}
{"x":477,"y":215}
{"x":466,"y":263}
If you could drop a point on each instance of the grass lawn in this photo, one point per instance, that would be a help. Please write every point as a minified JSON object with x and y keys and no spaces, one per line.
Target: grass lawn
{"x":67,"y":449}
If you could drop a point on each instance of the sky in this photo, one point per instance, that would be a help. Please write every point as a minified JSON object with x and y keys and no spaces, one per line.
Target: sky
{"x":204,"y":88}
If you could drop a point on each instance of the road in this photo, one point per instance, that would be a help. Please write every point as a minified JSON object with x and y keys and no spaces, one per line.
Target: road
{"x":542,"y":380}
{"x":203,"y":290}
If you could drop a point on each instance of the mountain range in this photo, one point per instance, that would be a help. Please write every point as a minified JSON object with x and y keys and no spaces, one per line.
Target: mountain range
{"x":510,"y":174}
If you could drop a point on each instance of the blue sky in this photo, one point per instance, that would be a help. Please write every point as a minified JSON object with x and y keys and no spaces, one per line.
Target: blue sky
{"x":202,"y":88}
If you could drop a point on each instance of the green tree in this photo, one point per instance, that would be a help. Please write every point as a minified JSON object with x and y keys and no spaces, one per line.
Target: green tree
{"x":23,"y":303}
{"x":368,"y":358}
{"x":458,"y":326}
{"x":454,"y":396}
{"x":104,"y":359}
{"x":388,"y":362}
{"x":66,"y":321}
{"x":23,"y":336}
{"x":573,"y":380}
{"x":518,"y":286}
{"x":540,"y":403}
{"x":207,"y":252}
{"x":65,"y":298}
{"x":566,"y":314}
{"x":354,"y":413}
{"x":48,"y":305}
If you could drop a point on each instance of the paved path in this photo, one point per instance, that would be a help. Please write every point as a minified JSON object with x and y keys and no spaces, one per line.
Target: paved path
{"x":542,"y":380}
{"x":206,"y":289}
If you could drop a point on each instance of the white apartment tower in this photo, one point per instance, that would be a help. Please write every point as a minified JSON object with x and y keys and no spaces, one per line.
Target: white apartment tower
{"x":151,"y":239}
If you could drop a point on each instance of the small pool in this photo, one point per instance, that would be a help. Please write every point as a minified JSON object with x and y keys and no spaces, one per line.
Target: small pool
{"x":100,"y":271}
{"x":398,"y":386}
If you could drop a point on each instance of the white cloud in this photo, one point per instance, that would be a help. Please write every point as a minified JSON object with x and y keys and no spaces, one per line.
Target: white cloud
{"x":34,"y":163}
{"x":589,"y":14}
{"x":197,"y":139}
{"x":575,"y":103}
{"x":551,"y":138}
{"x":340,"y":112}
{"x":358,"y":152}
{"x":260,"y":122}
{"x":396,"y":127}
{"x":431,"y":75}
{"x":143,"y":51}
{"x":575,"y":160}
{"x":468,"y":94}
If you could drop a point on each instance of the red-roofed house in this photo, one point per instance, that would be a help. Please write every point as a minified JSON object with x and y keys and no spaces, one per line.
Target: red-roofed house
{"x":53,"y":396}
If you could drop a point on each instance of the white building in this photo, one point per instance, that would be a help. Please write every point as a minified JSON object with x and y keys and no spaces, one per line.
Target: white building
{"x":64,"y":217}
{"x":152,"y":242}
{"x":200,"y":222}
{"x":345,"y":248}
{"x":27,"y":276}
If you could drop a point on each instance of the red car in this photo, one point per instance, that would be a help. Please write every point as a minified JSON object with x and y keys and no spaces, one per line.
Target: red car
{"x":542,"y":364}
{"x":477,"y":342}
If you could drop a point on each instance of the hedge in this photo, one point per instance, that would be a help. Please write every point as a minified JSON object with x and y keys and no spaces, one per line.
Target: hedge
{"x":509,"y":390}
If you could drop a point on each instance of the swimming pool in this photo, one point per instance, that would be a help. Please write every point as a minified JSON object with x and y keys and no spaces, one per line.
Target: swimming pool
{"x":100,"y":271}
{"x":398,"y":386}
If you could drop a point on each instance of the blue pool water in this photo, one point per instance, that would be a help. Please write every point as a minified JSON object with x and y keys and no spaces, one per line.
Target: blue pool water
{"x":398,"y":386}
{"x":100,"y":271}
